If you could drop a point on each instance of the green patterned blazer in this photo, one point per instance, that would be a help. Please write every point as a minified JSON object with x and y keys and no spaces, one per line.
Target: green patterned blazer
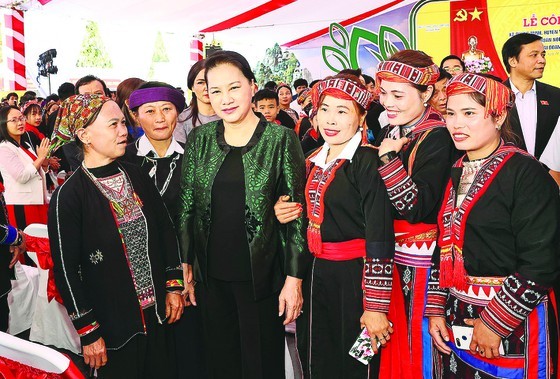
{"x":273,"y":165}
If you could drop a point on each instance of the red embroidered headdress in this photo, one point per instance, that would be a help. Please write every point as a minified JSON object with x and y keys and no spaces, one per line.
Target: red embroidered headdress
{"x":341,"y":88}
{"x":393,"y":71}
{"x":499,"y":98}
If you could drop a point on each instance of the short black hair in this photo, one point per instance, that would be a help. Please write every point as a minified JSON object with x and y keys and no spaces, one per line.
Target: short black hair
{"x":66,"y":90}
{"x":350,"y":71}
{"x":300,"y":82}
{"x":452,"y":57}
{"x":88,"y":79}
{"x":271,"y":85}
{"x":265,"y":94}
{"x":368,"y":79}
{"x":444,"y":75}
{"x":53,"y":97}
{"x":229,"y":57}
{"x":12,"y":94}
{"x":314,"y":82}
{"x":28,"y":95}
{"x":513,"y":46}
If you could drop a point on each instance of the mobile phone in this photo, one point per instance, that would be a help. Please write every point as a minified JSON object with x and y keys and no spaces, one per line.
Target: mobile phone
{"x":362,"y":350}
{"x":463,"y":336}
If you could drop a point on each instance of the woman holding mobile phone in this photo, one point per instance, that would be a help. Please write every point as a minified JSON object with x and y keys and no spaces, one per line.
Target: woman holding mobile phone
{"x":350,"y":235}
{"x":499,"y":243}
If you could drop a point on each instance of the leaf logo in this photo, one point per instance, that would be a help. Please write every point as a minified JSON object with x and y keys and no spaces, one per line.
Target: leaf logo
{"x":345,"y":53}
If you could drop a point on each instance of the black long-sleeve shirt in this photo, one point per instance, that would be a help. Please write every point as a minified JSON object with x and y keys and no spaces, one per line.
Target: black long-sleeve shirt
{"x":418,"y":197}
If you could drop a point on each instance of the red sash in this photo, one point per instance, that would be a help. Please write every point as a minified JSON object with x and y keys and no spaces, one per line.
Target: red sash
{"x":408,"y":232}
{"x":342,"y":251}
{"x":41,"y":247}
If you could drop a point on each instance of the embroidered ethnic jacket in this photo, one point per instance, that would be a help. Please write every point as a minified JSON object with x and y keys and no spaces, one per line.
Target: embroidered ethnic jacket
{"x":416,"y":191}
{"x":273,"y":166}
{"x":91,"y":268}
{"x":512,"y":231}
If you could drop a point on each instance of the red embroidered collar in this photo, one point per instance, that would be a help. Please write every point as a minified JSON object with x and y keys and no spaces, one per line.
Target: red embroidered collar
{"x":452,"y":220}
{"x":318,"y":180}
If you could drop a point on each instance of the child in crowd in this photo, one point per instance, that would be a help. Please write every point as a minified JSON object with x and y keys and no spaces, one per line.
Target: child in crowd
{"x":267,"y":103}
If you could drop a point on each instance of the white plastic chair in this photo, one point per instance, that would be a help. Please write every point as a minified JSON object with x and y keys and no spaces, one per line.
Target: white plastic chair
{"x":22,"y":298}
{"x":51,"y":324}
{"x":40,"y":358}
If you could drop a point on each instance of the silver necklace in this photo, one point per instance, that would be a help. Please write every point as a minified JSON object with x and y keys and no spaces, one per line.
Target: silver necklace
{"x":172,"y":167}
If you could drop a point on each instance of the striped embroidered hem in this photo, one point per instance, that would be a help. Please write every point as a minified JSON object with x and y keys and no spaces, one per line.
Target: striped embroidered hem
{"x":377,"y":284}
{"x":512,"y":304}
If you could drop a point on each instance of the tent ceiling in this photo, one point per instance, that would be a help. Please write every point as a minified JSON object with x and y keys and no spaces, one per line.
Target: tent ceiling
{"x":277,"y":20}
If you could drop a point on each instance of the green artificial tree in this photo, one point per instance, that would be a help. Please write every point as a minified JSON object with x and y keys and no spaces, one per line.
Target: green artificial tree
{"x":93,"y":53}
{"x":160,"y":54}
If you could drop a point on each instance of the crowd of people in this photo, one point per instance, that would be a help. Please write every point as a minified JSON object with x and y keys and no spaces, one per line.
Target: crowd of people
{"x":408,"y":223}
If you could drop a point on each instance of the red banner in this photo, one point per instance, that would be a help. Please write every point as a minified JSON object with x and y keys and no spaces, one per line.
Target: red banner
{"x":470,"y":19}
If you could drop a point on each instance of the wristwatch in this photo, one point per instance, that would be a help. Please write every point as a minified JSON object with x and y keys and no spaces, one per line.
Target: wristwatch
{"x":387,"y":157}
{"x":19,"y":238}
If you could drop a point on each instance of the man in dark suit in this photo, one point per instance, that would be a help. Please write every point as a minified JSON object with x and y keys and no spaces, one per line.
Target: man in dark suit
{"x":537,"y":105}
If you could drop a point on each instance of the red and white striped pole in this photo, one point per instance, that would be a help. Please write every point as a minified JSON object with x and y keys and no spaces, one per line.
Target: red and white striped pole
{"x":14,"y":51}
{"x":197,"y":49}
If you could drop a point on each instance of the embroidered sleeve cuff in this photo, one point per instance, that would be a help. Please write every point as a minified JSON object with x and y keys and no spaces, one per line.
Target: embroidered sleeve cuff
{"x":400,"y":187}
{"x":377,"y":283}
{"x":174,"y":285}
{"x":436,"y":297}
{"x":174,"y":279}
{"x":87,"y":327}
{"x":512,"y":304}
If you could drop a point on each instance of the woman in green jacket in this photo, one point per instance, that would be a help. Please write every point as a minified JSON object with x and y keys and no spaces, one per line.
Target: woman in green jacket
{"x":248,"y":265}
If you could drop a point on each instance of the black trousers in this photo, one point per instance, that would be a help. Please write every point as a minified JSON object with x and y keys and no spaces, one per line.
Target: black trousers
{"x":243,"y":338}
{"x":145,"y":356}
{"x":330,"y":324}
{"x":4,"y":313}
{"x":191,"y":363}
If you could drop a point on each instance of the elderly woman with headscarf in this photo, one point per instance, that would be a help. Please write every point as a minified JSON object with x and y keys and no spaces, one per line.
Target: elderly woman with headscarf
{"x":156,"y":106}
{"x":114,"y":248}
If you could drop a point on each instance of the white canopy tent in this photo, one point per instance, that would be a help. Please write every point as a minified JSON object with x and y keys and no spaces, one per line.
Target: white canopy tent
{"x":274,"y":20}
{"x":128,"y":29}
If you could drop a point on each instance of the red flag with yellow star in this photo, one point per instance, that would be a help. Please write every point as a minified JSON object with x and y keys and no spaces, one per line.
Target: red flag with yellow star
{"x":471,"y":36}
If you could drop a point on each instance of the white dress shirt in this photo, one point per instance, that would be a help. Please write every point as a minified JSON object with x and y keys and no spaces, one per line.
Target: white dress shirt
{"x":527,"y":110}
{"x":551,"y":154}
{"x":145,"y":146}
{"x":347,"y":153}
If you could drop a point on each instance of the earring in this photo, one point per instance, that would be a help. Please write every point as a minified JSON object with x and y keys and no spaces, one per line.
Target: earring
{"x":498,"y":127}
{"x":425,"y":104}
